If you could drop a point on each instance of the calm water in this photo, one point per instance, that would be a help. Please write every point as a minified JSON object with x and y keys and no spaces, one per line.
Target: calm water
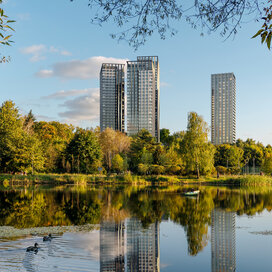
{"x":135,"y":229}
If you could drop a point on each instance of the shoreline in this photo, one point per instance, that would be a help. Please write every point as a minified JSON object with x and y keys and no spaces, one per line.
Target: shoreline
{"x":130,"y":179}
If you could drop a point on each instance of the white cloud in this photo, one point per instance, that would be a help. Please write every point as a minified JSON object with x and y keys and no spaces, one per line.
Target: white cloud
{"x":80,"y":69}
{"x":64,"y":94}
{"x":44,"y":73}
{"x":65,"y":53}
{"x":39,"y":52}
{"x":82,"y":108}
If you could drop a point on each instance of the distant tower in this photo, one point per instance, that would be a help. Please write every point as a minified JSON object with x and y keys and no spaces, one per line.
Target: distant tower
{"x":143,"y":96}
{"x":112,"y":96}
{"x":223,"y":108}
{"x":223,"y":241}
{"x":112,"y":247}
{"x":143,"y":252}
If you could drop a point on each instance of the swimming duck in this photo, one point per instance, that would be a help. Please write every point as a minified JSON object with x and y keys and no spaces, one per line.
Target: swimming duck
{"x":47,"y":238}
{"x":33,"y":248}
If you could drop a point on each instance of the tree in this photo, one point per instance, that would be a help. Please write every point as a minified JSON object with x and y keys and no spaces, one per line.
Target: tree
{"x":139,"y":20}
{"x":113,"y":142}
{"x":118,"y":163}
{"x":165,"y":137}
{"x":20,"y":149}
{"x":54,"y":137}
{"x":197,"y":153}
{"x":228,"y":156}
{"x":84,"y":152}
{"x":267,"y":164}
{"x":4,"y":28}
{"x":142,"y":149}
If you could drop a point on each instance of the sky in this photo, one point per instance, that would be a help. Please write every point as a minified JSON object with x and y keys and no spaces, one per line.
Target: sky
{"x":57,"y":54}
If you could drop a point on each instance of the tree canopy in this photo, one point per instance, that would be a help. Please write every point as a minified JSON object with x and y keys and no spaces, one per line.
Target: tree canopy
{"x":138,"y":20}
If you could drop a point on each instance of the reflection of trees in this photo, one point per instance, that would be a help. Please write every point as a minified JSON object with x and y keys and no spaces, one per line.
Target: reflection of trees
{"x":81,"y":205}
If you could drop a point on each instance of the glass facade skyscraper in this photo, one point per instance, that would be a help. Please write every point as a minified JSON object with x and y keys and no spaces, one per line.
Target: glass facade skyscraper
{"x":223,"y":87}
{"x":112,"y":96}
{"x":143,"y":95}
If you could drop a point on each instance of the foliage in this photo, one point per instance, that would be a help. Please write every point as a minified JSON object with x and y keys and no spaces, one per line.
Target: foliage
{"x":138,"y":20}
{"x":112,"y":143}
{"x":142,"y":149}
{"x":84,"y":152}
{"x":197,"y":153}
{"x":5,"y":26}
{"x":118,"y":163}
{"x":266,"y":30}
{"x":228,"y":156}
{"x":267,"y":164}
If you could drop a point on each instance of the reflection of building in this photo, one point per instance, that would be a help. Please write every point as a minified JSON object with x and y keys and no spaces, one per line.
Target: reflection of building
{"x":223,"y":108}
{"x":112,"y":247}
{"x":142,"y":247}
{"x":143,"y":96}
{"x":223,"y":241}
{"x":112,"y":96}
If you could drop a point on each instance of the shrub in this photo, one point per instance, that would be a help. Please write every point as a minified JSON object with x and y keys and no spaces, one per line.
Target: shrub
{"x":157,"y":169}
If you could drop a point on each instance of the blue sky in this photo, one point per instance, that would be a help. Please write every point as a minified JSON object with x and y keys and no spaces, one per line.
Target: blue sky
{"x":57,"y":55}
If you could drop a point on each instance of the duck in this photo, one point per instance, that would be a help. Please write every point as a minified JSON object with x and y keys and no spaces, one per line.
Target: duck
{"x":33,"y":248}
{"x":47,"y":238}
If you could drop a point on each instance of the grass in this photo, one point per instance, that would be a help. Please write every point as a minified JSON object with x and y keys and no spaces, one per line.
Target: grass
{"x":128,"y":178}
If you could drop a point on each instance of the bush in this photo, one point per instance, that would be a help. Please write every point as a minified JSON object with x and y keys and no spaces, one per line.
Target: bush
{"x":143,"y":168}
{"x":157,"y":169}
{"x":221,"y":170}
{"x":173,"y":169}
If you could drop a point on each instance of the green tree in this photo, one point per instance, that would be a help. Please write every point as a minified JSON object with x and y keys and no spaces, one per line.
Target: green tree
{"x":165,"y":137}
{"x":228,"y":156}
{"x":142,"y":147}
{"x":267,"y":164}
{"x":55,"y":137}
{"x":118,"y":163}
{"x":84,"y":152}
{"x":197,"y":153}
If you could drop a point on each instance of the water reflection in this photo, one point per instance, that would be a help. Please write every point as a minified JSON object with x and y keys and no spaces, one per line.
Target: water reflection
{"x":127,"y":246}
{"x":223,"y":241}
{"x":143,"y":247}
{"x":127,"y":223}
{"x":112,"y":246}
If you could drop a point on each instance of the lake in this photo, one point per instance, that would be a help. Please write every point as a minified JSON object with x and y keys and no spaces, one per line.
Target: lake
{"x":126,"y":228}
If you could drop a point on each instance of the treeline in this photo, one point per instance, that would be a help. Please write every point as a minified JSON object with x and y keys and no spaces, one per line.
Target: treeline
{"x":31,"y":146}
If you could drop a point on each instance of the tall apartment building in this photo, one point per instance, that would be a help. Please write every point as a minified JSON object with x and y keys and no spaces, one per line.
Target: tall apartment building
{"x":143,"y":95}
{"x":112,"y":96}
{"x":223,"y":88}
{"x":223,"y":241}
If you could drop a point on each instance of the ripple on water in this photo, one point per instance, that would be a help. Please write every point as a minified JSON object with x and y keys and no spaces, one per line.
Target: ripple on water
{"x":67,"y":252}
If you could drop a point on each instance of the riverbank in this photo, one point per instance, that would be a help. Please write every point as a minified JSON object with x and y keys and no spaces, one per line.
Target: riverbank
{"x":239,"y":180}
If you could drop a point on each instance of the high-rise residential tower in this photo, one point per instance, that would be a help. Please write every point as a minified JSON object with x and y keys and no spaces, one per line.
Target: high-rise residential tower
{"x":223,"y":108}
{"x":112,"y":96}
{"x":143,"y":95}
